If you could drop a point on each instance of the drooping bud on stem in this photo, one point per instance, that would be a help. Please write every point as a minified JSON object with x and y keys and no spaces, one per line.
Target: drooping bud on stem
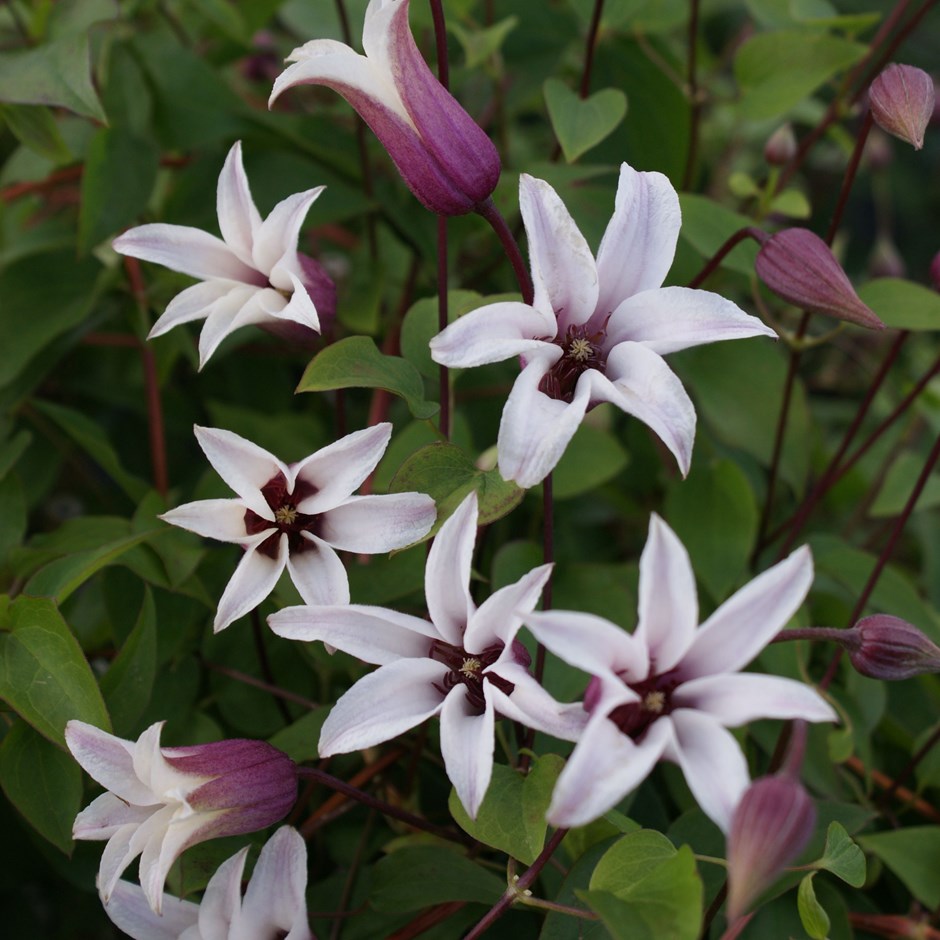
{"x":886,"y":647}
{"x":902,"y":100}
{"x":780,"y":148}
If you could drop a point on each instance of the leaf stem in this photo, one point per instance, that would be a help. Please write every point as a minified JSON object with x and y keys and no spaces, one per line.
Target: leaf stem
{"x":695,"y":104}
{"x":492,"y":215}
{"x":733,"y":241}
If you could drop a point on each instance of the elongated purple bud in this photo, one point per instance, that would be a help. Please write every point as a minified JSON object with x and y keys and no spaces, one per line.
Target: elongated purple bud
{"x":902,"y":100}
{"x":886,"y":647}
{"x":798,"y":266}
{"x":780,"y":148}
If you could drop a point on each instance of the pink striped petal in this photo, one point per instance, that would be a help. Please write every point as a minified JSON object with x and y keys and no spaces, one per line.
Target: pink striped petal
{"x":222,"y":519}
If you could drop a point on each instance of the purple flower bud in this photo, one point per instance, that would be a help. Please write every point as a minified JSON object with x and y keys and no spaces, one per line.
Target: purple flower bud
{"x":902,"y":101}
{"x":772,"y":824}
{"x":886,"y":647}
{"x":799,"y":267}
{"x":885,"y":259}
{"x":935,"y":271}
{"x":780,"y":148}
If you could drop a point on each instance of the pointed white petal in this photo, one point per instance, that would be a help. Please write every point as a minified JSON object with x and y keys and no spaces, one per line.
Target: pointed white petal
{"x":735,"y":699}
{"x":639,"y":382}
{"x":236,"y":309}
{"x":300,"y":308}
{"x":252,"y":582}
{"x":668,"y":604}
{"x":499,"y":617}
{"x":674,"y":318}
{"x":194,"y":303}
{"x":373,"y":634}
{"x":491,"y":334}
{"x":605,"y":766}
{"x":467,"y":747}
{"x":222,"y":901}
{"x":640,"y":242}
{"x":238,"y":218}
{"x":447,"y":573}
{"x":382,"y":705}
{"x":109,"y":760}
{"x":564,"y":274}
{"x":318,"y":574}
{"x":187,"y":250}
{"x":130,"y":912}
{"x":712,"y":762}
{"x":373,"y":524}
{"x":750,"y":618}
{"x":222,"y":519}
{"x":107,"y":813}
{"x":123,"y":847}
{"x":275,"y":899}
{"x":276,"y":240}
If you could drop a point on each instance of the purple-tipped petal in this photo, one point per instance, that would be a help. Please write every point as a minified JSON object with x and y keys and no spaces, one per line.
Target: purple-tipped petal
{"x":275,"y":243}
{"x":108,"y":760}
{"x":222,"y":519}
{"x":374,"y":524}
{"x":254,"y":579}
{"x":194,"y":303}
{"x":130,"y":912}
{"x":106,"y":814}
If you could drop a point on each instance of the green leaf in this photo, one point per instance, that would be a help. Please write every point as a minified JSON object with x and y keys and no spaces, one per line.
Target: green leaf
{"x":898,"y":485}
{"x":480,"y":44}
{"x":814,"y":919}
{"x":13,"y":515}
{"x":356,"y":362}
{"x":913,"y":854}
{"x":35,"y":127}
{"x":902,"y":304}
{"x":622,"y":920}
{"x":447,"y":474}
{"x":777,"y":70}
{"x":43,"y":782}
{"x":791,"y":203}
{"x":512,"y":815}
{"x":120,"y":172}
{"x":421,"y":876}
{"x":843,"y":857}
{"x":582,"y":123}
{"x":299,"y":740}
{"x":707,"y":225}
{"x":13,"y":450}
{"x":592,"y":458}
{"x":56,"y":74}
{"x":630,"y":860}
{"x":44,"y":675}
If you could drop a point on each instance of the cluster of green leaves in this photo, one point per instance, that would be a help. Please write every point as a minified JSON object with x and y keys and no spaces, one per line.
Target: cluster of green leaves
{"x":113,"y":114}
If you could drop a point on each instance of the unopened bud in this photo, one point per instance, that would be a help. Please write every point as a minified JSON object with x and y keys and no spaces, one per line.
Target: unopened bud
{"x":885,"y":260}
{"x":935,"y":271}
{"x":902,"y":100}
{"x":800,"y":267}
{"x":780,"y":148}
{"x":772,"y":824}
{"x":886,"y":647}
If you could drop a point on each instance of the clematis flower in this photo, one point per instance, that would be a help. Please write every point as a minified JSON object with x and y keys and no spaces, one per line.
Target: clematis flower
{"x":596,"y":330}
{"x":274,"y":904}
{"x":441,"y":153}
{"x":295,"y":516}
{"x":163,"y":800}
{"x":252,"y":275}
{"x":668,"y":690}
{"x":465,"y":665}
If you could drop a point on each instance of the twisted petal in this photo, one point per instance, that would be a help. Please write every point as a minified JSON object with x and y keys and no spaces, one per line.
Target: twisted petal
{"x":275,"y":244}
{"x":222,"y":519}
{"x":300,"y":308}
{"x":106,"y":814}
{"x":318,"y":574}
{"x":109,"y":760}
{"x":467,"y":746}
{"x":130,"y":912}
{"x":239,"y":220}
{"x":373,"y":524}
{"x":239,"y":307}
{"x":252,"y":582}
{"x":500,"y":615}
{"x":221,"y":904}
{"x":194,"y":303}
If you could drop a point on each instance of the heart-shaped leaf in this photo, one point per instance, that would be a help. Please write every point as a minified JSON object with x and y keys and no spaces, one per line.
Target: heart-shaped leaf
{"x":581,"y":124}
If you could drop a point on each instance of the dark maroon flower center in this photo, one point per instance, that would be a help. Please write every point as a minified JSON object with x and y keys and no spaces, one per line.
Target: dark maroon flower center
{"x":467,"y":669}
{"x":634,"y":718}
{"x":580,"y":351}
{"x":287,"y":518}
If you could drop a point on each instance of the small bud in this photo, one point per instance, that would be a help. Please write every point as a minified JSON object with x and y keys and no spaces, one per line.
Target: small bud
{"x":885,"y":647}
{"x":935,"y":271}
{"x":878,"y":151}
{"x":771,"y":826}
{"x":885,"y":259}
{"x":780,"y":148}
{"x":902,"y":101}
{"x":799,"y":267}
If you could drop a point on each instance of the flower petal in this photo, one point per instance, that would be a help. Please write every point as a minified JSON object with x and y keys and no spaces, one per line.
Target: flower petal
{"x":124,"y":846}
{"x":447,"y":573}
{"x":637,"y":249}
{"x":106,"y":814}
{"x":373,"y":524}
{"x":318,"y":574}
{"x":564,"y":274}
{"x":130,"y":913}
{"x":668,"y":603}
{"x":252,"y":582}
{"x":275,"y":243}
{"x":745,"y":623}
{"x":222,"y":519}
{"x":221,"y":904}
{"x":109,"y":760}
{"x":499,"y":617}
{"x":238,"y":218}
{"x":194,"y":303}
{"x":640,"y":383}
{"x":674,"y":318}
{"x":238,"y":308}
{"x":383,"y":705}
{"x":300,"y":308}
{"x":467,"y":746}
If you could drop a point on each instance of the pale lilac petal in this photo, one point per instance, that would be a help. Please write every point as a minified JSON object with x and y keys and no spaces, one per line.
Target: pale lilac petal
{"x":493,"y":333}
{"x":339,"y":469}
{"x":535,"y":429}
{"x":640,"y":383}
{"x":109,"y":760}
{"x":373,"y":634}
{"x":194,"y":303}
{"x":238,"y":218}
{"x":373,"y":524}
{"x":467,"y":746}
{"x":222,"y":901}
{"x":106,"y":814}
{"x":749,"y":619}
{"x":299,"y":309}
{"x":222,"y":519}
{"x":254,"y":579}
{"x":275,"y":242}
{"x":605,"y":766}
{"x":244,"y":466}
{"x":383,"y":705}
{"x":500,"y":615}
{"x":591,"y":643}
{"x":447,"y":573}
{"x":712,"y":762}
{"x":125,"y":845}
{"x":187,"y":250}
{"x":734,"y":700}
{"x":674,"y":318}
{"x":130,"y":913}
{"x":318,"y":574}
{"x":563,"y":271}
{"x":637,"y":249}
{"x":668,"y":602}
{"x":238,"y":308}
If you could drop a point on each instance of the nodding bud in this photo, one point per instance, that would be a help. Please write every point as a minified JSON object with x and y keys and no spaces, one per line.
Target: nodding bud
{"x":772,"y":824}
{"x":780,"y":148}
{"x":800,"y":267}
{"x":886,"y":647}
{"x":902,"y":101}
{"x":885,"y":260}
{"x":935,"y":271}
